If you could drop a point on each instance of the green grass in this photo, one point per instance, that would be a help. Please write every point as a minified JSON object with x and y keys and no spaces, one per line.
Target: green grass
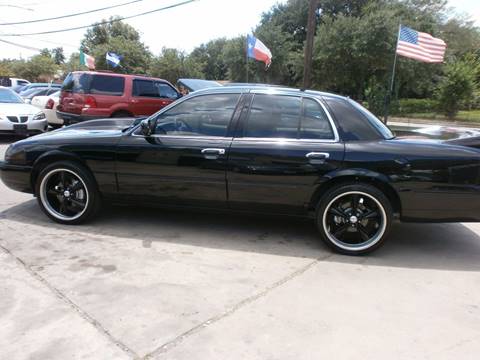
{"x":465,"y":115}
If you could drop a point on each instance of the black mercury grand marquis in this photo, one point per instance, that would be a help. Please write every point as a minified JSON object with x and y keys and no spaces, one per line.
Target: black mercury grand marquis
{"x":255,"y":149}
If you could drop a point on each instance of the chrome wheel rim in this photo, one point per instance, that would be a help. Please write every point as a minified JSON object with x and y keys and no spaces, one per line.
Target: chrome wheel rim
{"x":354,"y":221}
{"x":64,"y":194}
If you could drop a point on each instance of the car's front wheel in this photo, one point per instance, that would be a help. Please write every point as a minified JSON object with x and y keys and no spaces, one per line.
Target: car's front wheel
{"x":354,"y":219}
{"x":67,"y":192}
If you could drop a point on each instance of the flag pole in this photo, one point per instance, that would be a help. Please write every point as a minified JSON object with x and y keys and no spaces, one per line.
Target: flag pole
{"x":246,"y":60}
{"x":392,"y":79}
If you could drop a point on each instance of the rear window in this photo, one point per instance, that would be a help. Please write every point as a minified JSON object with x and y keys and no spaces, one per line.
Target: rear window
{"x":94,"y":84}
{"x":352,"y":124}
{"x":107,"y":85}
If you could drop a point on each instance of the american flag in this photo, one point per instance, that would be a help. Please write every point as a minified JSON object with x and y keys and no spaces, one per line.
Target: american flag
{"x":420,"y":46}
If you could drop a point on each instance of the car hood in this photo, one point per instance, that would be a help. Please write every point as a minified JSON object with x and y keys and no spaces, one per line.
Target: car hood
{"x":88,"y":129}
{"x":18,"y":109}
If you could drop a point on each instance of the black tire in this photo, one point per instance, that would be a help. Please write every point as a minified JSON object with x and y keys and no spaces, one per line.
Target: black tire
{"x":354,"y":219}
{"x":67,"y":193}
{"x":121,"y":114}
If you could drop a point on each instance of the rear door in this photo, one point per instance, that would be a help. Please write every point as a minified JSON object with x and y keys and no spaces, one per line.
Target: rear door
{"x":184,"y":162}
{"x":282,"y":150}
{"x":107,"y":90}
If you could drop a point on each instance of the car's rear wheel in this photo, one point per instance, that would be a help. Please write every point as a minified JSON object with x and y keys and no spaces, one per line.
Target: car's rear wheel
{"x":67,"y":193}
{"x":354,"y":219}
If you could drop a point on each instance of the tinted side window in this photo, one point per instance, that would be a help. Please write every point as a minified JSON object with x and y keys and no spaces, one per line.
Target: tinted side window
{"x":166,"y":91}
{"x":315,"y":123}
{"x":144,"y":88}
{"x":107,"y":85}
{"x":207,"y":115}
{"x":273,"y":116}
{"x":352,"y":125}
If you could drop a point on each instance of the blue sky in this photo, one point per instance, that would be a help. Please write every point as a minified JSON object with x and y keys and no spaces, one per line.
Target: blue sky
{"x":184,"y":27}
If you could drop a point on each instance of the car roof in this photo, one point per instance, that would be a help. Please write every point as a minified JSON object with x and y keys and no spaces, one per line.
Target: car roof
{"x":198,"y":84}
{"x":111,"y":73}
{"x":274,"y":89}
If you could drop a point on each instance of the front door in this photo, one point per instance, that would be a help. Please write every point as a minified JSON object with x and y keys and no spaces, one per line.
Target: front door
{"x":184,"y":161}
{"x":149,"y":96}
{"x":281,"y":153}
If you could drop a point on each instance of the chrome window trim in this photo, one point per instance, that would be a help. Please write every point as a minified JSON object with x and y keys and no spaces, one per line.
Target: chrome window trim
{"x":185,"y":137}
{"x":283,"y":140}
{"x":336,"y":138}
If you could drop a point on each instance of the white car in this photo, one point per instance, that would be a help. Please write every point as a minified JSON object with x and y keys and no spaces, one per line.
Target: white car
{"x":19,"y":118}
{"x":48,"y":104}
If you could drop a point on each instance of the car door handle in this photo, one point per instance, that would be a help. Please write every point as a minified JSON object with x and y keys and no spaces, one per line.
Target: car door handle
{"x":212,"y":153}
{"x":317,"y":157}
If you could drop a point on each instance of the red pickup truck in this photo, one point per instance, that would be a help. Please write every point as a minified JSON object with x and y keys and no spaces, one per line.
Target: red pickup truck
{"x":87,"y":95}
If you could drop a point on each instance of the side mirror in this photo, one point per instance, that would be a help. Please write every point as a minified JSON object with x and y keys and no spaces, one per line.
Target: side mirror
{"x":179,"y":95}
{"x":146,"y":126}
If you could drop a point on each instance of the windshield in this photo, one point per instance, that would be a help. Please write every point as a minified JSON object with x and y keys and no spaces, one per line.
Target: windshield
{"x":8,"y":96}
{"x":376,"y":122}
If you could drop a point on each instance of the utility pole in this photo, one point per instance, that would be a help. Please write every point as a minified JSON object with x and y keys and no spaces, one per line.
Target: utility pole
{"x":311,"y":25}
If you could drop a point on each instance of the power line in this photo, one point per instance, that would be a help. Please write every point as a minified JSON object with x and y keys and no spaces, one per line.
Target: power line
{"x":20,"y":45}
{"x":69,"y":15}
{"x":16,"y":7}
{"x":41,"y":40}
{"x":105,"y":21}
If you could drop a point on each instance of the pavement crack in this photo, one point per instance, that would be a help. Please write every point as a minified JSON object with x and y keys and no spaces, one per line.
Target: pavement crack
{"x":180,"y":338}
{"x":58,"y":294}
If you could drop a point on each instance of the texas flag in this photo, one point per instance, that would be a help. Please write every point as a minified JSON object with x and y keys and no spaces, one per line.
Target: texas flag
{"x":257,"y":50}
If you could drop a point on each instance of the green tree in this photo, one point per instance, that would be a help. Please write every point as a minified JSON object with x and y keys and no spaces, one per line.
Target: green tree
{"x":45,"y":52}
{"x":172,"y":64}
{"x":37,"y":68}
{"x":6,"y":68}
{"x":73,"y":63}
{"x":209,"y":58}
{"x":58,"y":55}
{"x":122,"y":39}
{"x":234,"y":57}
{"x":457,"y":87}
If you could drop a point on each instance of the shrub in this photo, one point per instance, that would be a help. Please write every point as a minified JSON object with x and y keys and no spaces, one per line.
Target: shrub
{"x":414,"y":106}
{"x":456,"y":88}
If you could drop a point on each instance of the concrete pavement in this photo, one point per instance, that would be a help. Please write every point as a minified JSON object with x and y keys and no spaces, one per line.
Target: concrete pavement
{"x":164,"y":284}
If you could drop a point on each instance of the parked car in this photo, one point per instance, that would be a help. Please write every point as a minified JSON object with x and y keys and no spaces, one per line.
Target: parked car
{"x":255,"y":149}
{"x":48,"y":103}
{"x":18,"y":88}
{"x":88,"y":95}
{"x":19,"y":118}
{"x":186,"y":86}
{"x":32,"y":93}
{"x":39,"y":85}
{"x":12,"y":82}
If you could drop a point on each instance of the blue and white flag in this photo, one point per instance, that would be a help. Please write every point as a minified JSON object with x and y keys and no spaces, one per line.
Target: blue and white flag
{"x":113,"y":59}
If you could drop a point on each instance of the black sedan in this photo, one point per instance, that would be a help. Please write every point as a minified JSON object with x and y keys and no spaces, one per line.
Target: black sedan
{"x":255,"y":149}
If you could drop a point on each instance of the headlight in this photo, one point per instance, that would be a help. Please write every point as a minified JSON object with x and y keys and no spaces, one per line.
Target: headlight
{"x":39,"y":116}
{"x":13,"y":156}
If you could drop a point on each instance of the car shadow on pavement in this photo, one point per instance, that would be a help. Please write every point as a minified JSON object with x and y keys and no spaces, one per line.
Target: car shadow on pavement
{"x":426,"y":246}
{"x":8,"y":139}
